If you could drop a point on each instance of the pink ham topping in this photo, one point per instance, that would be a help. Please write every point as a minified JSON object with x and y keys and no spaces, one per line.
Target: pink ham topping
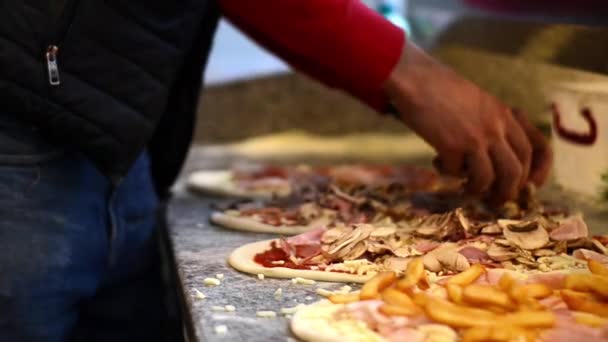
{"x":425,"y":246}
{"x":571,"y":229}
{"x":310,"y":237}
{"x":474,"y":254}
{"x":304,"y":246}
{"x":586,"y":254}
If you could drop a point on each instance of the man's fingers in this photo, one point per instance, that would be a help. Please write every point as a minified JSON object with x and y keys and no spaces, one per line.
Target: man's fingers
{"x":450,"y":163}
{"x":522,"y":147}
{"x":480,"y":174}
{"x":542,"y":156}
{"x":508,"y":170}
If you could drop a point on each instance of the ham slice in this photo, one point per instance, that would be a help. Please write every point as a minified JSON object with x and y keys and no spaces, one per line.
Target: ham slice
{"x":554,"y":280}
{"x":310,"y":237}
{"x":404,"y":334}
{"x":571,"y":229}
{"x":425,"y":246}
{"x":474,"y":254}
{"x":586,"y":254}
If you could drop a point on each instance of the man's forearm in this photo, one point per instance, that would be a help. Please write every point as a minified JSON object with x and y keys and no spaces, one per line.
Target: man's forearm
{"x":342,"y":43}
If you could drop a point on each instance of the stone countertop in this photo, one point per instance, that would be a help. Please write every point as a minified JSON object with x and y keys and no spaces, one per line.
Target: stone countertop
{"x":200,"y":250}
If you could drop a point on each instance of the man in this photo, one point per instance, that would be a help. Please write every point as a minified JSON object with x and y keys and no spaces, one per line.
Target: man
{"x":97,"y":103}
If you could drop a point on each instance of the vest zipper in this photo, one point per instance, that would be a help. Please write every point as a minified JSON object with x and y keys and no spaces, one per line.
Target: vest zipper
{"x":63,"y":26}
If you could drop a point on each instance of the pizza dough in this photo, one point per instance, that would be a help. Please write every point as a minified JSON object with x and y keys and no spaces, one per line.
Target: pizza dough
{"x":250,"y":225}
{"x":316,"y":323}
{"x":242,"y":260}
{"x":220,"y":182}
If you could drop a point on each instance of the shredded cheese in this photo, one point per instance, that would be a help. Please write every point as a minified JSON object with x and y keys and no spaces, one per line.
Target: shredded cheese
{"x":220,"y":329}
{"x":303,"y":281}
{"x":324,"y":292}
{"x":199,"y":295}
{"x":211,"y":281}
{"x":260,"y":276}
{"x":219,"y":276}
{"x":229,"y":308}
{"x":291,"y":311}
{"x":278,"y":262}
{"x":266,"y":314}
{"x":346,"y":289}
{"x":218,"y":308}
{"x":308,"y":298}
{"x":278,"y":292}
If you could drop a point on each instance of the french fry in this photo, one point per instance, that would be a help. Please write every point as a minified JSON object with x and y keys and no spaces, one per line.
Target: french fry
{"x":339,"y":298}
{"x":454,"y":292}
{"x":582,"y":303}
{"x":420,"y":298}
{"x":486,"y":295}
{"x":395,"y":297}
{"x":395,"y":310}
{"x":597,"y":268}
{"x":495,"y":334}
{"x":469,"y":276}
{"x":588,"y":283}
{"x":456,"y":316}
{"x":414,"y":275}
{"x":372,"y":288}
{"x":589,"y":319}
{"x":506,"y":282}
{"x":522,"y":293}
{"x":528,"y":319}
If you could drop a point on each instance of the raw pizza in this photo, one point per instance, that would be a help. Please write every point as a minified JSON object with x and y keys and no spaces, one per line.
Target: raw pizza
{"x":530,"y":240}
{"x":281,"y":181}
{"x":477,"y":305}
{"x":314,"y":203}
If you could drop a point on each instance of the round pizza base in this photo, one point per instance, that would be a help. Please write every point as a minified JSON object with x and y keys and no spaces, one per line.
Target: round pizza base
{"x":219,"y":183}
{"x":242,"y":260}
{"x":316,"y":323}
{"x":250,"y":225}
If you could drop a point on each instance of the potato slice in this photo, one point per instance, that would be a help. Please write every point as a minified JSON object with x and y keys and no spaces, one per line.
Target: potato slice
{"x":415,"y":274}
{"x":454,"y":292}
{"x":528,"y":319}
{"x":578,"y":302}
{"x":506,"y":282}
{"x":469,"y":276}
{"x":339,"y":298}
{"x":486,"y":295}
{"x":588,"y":283}
{"x":522,"y":293}
{"x":372,"y":288}
{"x":597,"y":268}
{"x":396,"y":310}
{"x":456,"y":316}
{"x":393,"y":296}
{"x":496,"y":334}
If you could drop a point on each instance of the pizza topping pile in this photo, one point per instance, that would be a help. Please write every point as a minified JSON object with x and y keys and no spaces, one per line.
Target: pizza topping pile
{"x":476,"y":305}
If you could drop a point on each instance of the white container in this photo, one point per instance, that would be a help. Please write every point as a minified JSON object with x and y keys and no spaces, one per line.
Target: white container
{"x":580,"y":135}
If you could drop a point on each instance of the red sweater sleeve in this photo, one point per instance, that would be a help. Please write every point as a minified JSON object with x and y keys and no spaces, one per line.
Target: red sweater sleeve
{"x":342,"y":43}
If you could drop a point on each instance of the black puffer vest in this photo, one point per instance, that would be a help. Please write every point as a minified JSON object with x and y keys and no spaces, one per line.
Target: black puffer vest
{"x":108,"y":77}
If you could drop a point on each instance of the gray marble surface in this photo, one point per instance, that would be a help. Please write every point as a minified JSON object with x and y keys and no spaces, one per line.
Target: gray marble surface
{"x":201,"y":250}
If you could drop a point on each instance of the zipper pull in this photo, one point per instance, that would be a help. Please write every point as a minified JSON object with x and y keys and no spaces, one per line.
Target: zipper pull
{"x":51,"y":64}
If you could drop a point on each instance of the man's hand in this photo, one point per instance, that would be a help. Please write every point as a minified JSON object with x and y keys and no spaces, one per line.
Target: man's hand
{"x":476,"y":136}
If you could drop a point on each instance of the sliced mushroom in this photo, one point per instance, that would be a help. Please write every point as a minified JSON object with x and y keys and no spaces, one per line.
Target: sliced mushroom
{"x":356,"y":252}
{"x":428,"y":231}
{"x":598,"y":246}
{"x":527,"y":262}
{"x":500,"y":253}
{"x":492,"y":229}
{"x":383,"y":232}
{"x":464,"y":221}
{"x":539,"y":253}
{"x":525,"y":238}
{"x":406,"y":251}
{"x":378,"y":247}
{"x":453,"y":261}
{"x":334,"y":234}
{"x":502,"y":242}
{"x":431,"y":263}
{"x":520,"y":226}
{"x":396,"y":264}
{"x":510,"y":210}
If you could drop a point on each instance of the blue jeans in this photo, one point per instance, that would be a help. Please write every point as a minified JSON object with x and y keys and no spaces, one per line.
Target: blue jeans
{"x":78,"y":257}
